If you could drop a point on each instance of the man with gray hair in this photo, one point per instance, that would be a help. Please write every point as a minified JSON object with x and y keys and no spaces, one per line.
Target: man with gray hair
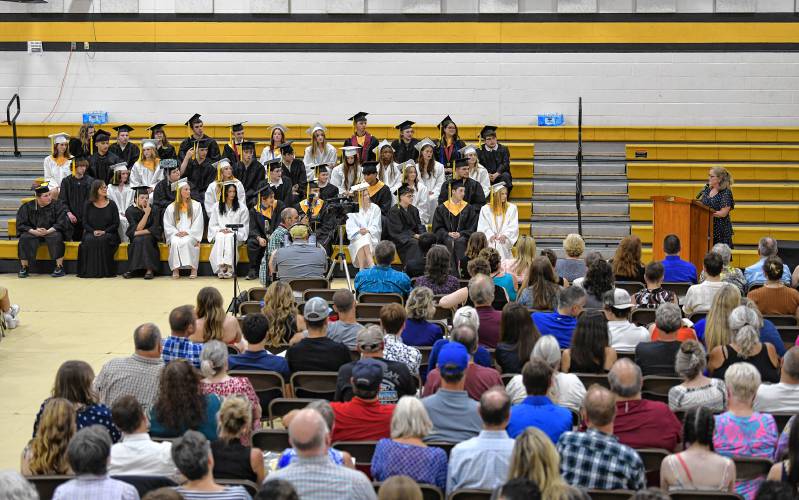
{"x":561,"y":323}
{"x":87,"y":453}
{"x":14,"y":486}
{"x":278,"y":239}
{"x":192,"y":455}
{"x":754,"y":274}
{"x":784,"y":396}
{"x":481,"y":291}
{"x":657,"y":357}
{"x":482,"y":462}
{"x":136,"y":375}
{"x":729,"y":273}
{"x":312,"y":473}
{"x":640,"y":423}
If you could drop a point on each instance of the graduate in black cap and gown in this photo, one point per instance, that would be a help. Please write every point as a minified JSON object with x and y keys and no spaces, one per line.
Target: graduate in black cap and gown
{"x":41,"y":221}
{"x":264,"y":218}
{"x":327,"y":191}
{"x":123,"y":148}
{"x":405,"y":226}
{"x":293,"y":171}
{"x":196,"y":126}
{"x":100,"y":234}
{"x":144,"y":231}
{"x":249,"y":171}
{"x":448,"y":146}
{"x":322,"y":221}
{"x":405,"y":146}
{"x":495,"y":157}
{"x":101,"y":161}
{"x":74,"y":194}
{"x":232,"y":150}
{"x":361,"y":137}
{"x":164,"y":150}
{"x":474,"y":191}
{"x":379,"y":193}
{"x":163,"y":194}
{"x":281,"y":187}
{"x":199,"y":169}
{"x":454,"y":221}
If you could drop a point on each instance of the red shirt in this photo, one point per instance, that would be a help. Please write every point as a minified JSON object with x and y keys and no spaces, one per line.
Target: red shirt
{"x":488,"y":333}
{"x":359,"y":420}
{"x":478,"y":380}
{"x":647,"y":424}
{"x":683,"y":334}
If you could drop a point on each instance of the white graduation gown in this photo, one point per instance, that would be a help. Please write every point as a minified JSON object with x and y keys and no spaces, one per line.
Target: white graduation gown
{"x":211,"y":196}
{"x":54,"y":174}
{"x":392,"y":177}
{"x":267,"y":155}
{"x":337,"y":178}
{"x":142,"y":176}
{"x":503,"y":225}
{"x":184,"y":251}
{"x":222,"y":251}
{"x":421,"y":200}
{"x":123,"y":200}
{"x":370,"y":220}
{"x":481,"y":175}
{"x":432,"y":186}
{"x":328,"y":157}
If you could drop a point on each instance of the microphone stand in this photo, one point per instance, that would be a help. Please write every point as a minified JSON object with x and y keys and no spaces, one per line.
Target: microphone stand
{"x":579,"y":186}
{"x":235,"y":302}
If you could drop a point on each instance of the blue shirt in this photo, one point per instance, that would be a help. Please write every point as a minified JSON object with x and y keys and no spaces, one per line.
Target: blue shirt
{"x":482,"y":357}
{"x":426,"y":465}
{"x":506,"y":282}
{"x":677,"y":270}
{"x":768,"y":333}
{"x":382,"y":279}
{"x":263,"y":360}
{"x":181,"y":348}
{"x":542,"y":413}
{"x":556,"y":324}
{"x":754,"y":274}
{"x":419,"y":332}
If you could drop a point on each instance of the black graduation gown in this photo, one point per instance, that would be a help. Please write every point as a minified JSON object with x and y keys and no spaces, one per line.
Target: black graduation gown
{"x":76,"y":148}
{"x":382,"y":199}
{"x":143,"y":249}
{"x":167,"y":152}
{"x":497,"y":162}
{"x":74,"y":195}
{"x":328,"y":192}
{"x":163,"y":195}
{"x":200,"y":176}
{"x":130,"y":155}
{"x":261,"y":227}
{"x":296,"y":174}
{"x":188,"y":143}
{"x":323,"y":225}
{"x":474,"y":193}
{"x":232,"y":156}
{"x":31,"y":216}
{"x":251,"y":177}
{"x":404,"y":152}
{"x":402,"y":225}
{"x":283,"y":193}
{"x":464,"y":223}
{"x":440,"y":153}
{"x":100,"y":166}
{"x":96,"y":253}
{"x":367,"y":152}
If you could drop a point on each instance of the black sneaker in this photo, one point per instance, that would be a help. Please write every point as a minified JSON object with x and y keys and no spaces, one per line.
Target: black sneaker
{"x":23,"y":272}
{"x":128,"y":275}
{"x":58,"y":272}
{"x":252,"y":275}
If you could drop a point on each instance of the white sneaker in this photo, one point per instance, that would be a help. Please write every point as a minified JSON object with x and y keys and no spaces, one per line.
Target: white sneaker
{"x":11,"y":322}
{"x":14,"y":310}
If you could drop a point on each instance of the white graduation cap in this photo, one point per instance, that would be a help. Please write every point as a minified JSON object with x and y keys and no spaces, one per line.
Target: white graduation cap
{"x":148,"y":143}
{"x":180,"y":183}
{"x":469,"y":148}
{"x":409,"y":163}
{"x":383,"y":144}
{"x":424,"y":142}
{"x":496,"y":187}
{"x":278,"y":126}
{"x":59,"y":138}
{"x":119,"y":167}
{"x":350,"y":150}
{"x":316,"y":126}
{"x":359,"y":187}
{"x":224,"y":162}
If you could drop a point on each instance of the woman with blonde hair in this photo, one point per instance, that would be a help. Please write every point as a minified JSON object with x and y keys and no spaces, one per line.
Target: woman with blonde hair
{"x":714,"y":328}
{"x":234,"y":458}
{"x":745,"y":346}
{"x":363,"y":230}
{"x":525,"y":253}
{"x":319,"y":152}
{"x":146,"y":171}
{"x":281,"y":311}
{"x":534,"y":457}
{"x":183,"y":230}
{"x":717,"y":195}
{"x":573,"y":265}
{"x":399,"y":488}
{"x":46,"y":453}
{"x":626,"y":261}
{"x":420,"y":308}
{"x":57,"y":165}
{"x":212,"y":321}
{"x":82,"y":144}
{"x":499,"y":221}
{"x":477,"y":172}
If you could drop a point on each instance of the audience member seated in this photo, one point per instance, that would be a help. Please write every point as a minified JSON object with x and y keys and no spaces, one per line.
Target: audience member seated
{"x":729,"y":274}
{"x":213,"y":323}
{"x":88,"y":454}
{"x":755,"y":274}
{"x":194,"y":459}
{"x":483,"y":461}
{"x":317,"y":352}
{"x":382,"y":278}
{"x":213,"y":365}
{"x":46,"y":453}
{"x":278,"y":239}
{"x":416,"y":265}
{"x":392,"y":321}
{"x":518,"y":334}
{"x":696,"y":390}
{"x":465,"y":316}
{"x":675,"y":269}
{"x":453,"y":413}
{"x":552,"y":257}
{"x":14,"y":486}
{"x":741,"y":431}
{"x":436,"y":272}
{"x":256,"y":357}
{"x":657,"y":357}
{"x":653,"y":294}
{"x":73,"y":382}
{"x":461,"y":296}
{"x":322,"y":406}
{"x":137,"y":374}
{"x":536,"y":459}
{"x":232,"y":458}
{"x":406,"y":454}
{"x":624,"y":335}
{"x":746,"y":347}
{"x":481,"y":291}
{"x":364,"y":417}
{"x":714,"y":329}
{"x":279,"y":489}
{"x":500,"y":277}
{"x":519,"y":489}
{"x":590,"y":350}
{"x":345,"y":329}
{"x":537,"y":410}
{"x":626,"y":262}
{"x":181,"y":404}
{"x":776,"y":490}
{"x":640,"y":423}
{"x":561,"y":322}
{"x":136,"y":454}
{"x":284,"y":318}
{"x":182,"y":325}
{"x":399,"y":487}
{"x":598,"y":280}
{"x":477,"y":241}
{"x":420,"y":308}
{"x":786,"y":470}
{"x":519,"y":266}
{"x":478,"y":378}
{"x":301,"y":259}
{"x":699,"y":297}
{"x":540,"y":287}
{"x":775,"y":297}
{"x":782,"y":397}
{"x":572,"y":266}
{"x":397,"y":380}
{"x":698,"y":467}
{"x":768,"y":331}
{"x":595,"y":459}
{"x":312,"y":473}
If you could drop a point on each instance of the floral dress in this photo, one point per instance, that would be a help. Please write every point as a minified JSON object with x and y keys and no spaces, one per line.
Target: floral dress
{"x":239,"y":386}
{"x":722,"y":226}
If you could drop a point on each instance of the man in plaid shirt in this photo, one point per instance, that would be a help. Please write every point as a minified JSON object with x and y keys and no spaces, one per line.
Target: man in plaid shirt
{"x":595,"y":459}
{"x":288,"y":217}
{"x":178,"y":346}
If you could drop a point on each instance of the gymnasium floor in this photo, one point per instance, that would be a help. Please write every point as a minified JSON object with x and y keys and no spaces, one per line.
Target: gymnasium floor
{"x":71,"y":318}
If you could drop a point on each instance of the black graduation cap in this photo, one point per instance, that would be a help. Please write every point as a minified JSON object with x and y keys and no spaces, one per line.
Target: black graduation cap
{"x":156,"y":127}
{"x":123,"y":128}
{"x":359,"y":116}
{"x":194,"y":119}
{"x":286,"y":148}
{"x":274,"y":164}
{"x":446,"y":121}
{"x":245,"y":145}
{"x":369,"y":167}
{"x":404,"y":189}
{"x":237,"y":127}
{"x":406,"y":124}
{"x":461,"y":162}
{"x":455,"y":184}
{"x":202,"y":143}
{"x":80,"y":157}
{"x":101,"y":135}
{"x":321,"y":169}
{"x":168,"y":164}
{"x":313,"y":185}
{"x":265,"y":190}
{"x":40,"y":188}
{"x":488,"y":130}
{"x":140,"y":189}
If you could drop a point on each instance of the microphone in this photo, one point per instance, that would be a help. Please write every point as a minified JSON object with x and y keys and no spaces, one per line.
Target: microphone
{"x":702,"y":191}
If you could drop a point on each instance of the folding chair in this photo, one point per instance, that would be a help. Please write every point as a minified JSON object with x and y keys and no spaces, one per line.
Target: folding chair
{"x":630,"y":286}
{"x":46,"y":485}
{"x":679,"y":288}
{"x":315,"y":385}
{"x":363,"y":310}
{"x":589,"y":379}
{"x":470,"y":494}
{"x":781,"y":419}
{"x":249,"y":307}
{"x":652,"y":457}
{"x":643,"y":316}
{"x":781,"y":319}
{"x":268,"y":385}
{"x":703,"y":495}
{"x":443,"y":313}
{"x":506,"y":377}
{"x":610,"y":494}
{"x":325,"y":293}
{"x":660,"y":385}
{"x":146,"y":484}
{"x":280,"y":407}
{"x":444,"y":446}
{"x":697,"y":316}
{"x":302,"y":284}
{"x":256,"y":293}
{"x":251,"y":487}
{"x":748,"y":468}
{"x":381,"y":298}
{"x":275,"y":440}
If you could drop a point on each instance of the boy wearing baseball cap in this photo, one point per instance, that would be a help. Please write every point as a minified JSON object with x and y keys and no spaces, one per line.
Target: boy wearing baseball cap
{"x":316,"y":352}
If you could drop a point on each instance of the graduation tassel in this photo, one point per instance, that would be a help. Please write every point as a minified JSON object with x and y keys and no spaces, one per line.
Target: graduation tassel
{"x":72,"y":167}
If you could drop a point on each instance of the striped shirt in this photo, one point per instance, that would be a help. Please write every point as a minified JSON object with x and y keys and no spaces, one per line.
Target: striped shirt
{"x":229,"y":493}
{"x":90,"y":487}
{"x":318,"y":478}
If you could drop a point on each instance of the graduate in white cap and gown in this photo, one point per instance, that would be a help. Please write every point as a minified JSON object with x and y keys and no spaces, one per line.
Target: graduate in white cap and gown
{"x":319,"y":152}
{"x":499,"y":221}
{"x":183,"y":230}
{"x":229,"y":210}
{"x":363,"y":228}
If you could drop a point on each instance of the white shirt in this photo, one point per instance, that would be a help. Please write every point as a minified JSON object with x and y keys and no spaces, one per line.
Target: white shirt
{"x":699,"y":297}
{"x":624,"y":336}
{"x":777,"y":398}
{"x":138,"y":455}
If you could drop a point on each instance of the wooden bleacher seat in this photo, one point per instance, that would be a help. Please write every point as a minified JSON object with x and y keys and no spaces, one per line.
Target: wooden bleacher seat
{"x":712,"y":152}
{"x":279,"y":407}
{"x":470,"y":494}
{"x":644,"y":170}
{"x":381,"y":298}
{"x":250,"y":486}
{"x":316,"y":385}
{"x":275,"y":440}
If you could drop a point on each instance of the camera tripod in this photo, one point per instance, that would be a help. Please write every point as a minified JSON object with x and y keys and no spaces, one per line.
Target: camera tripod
{"x":340,"y":259}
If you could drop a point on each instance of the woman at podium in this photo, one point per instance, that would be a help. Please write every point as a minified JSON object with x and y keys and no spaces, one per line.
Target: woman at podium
{"x":718,"y":196}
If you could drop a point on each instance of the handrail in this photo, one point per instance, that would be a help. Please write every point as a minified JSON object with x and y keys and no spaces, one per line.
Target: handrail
{"x":13,"y":122}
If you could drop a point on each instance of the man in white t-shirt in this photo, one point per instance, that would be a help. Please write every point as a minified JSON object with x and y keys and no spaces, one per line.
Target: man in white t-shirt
{"x":700,"y":297}
{"x":784,"y":396}
{"x":623,"y":334}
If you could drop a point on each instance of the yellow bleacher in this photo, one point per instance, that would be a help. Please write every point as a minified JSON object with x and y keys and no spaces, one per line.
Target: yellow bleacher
{"x":712,"y":152}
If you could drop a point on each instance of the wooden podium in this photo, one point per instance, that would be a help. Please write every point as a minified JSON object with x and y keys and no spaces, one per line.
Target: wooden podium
{"x":690,"y":220}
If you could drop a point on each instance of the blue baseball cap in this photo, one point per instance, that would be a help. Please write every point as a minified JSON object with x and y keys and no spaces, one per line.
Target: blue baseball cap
{"x":453,"y":359}
{"x":367,"y":374}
